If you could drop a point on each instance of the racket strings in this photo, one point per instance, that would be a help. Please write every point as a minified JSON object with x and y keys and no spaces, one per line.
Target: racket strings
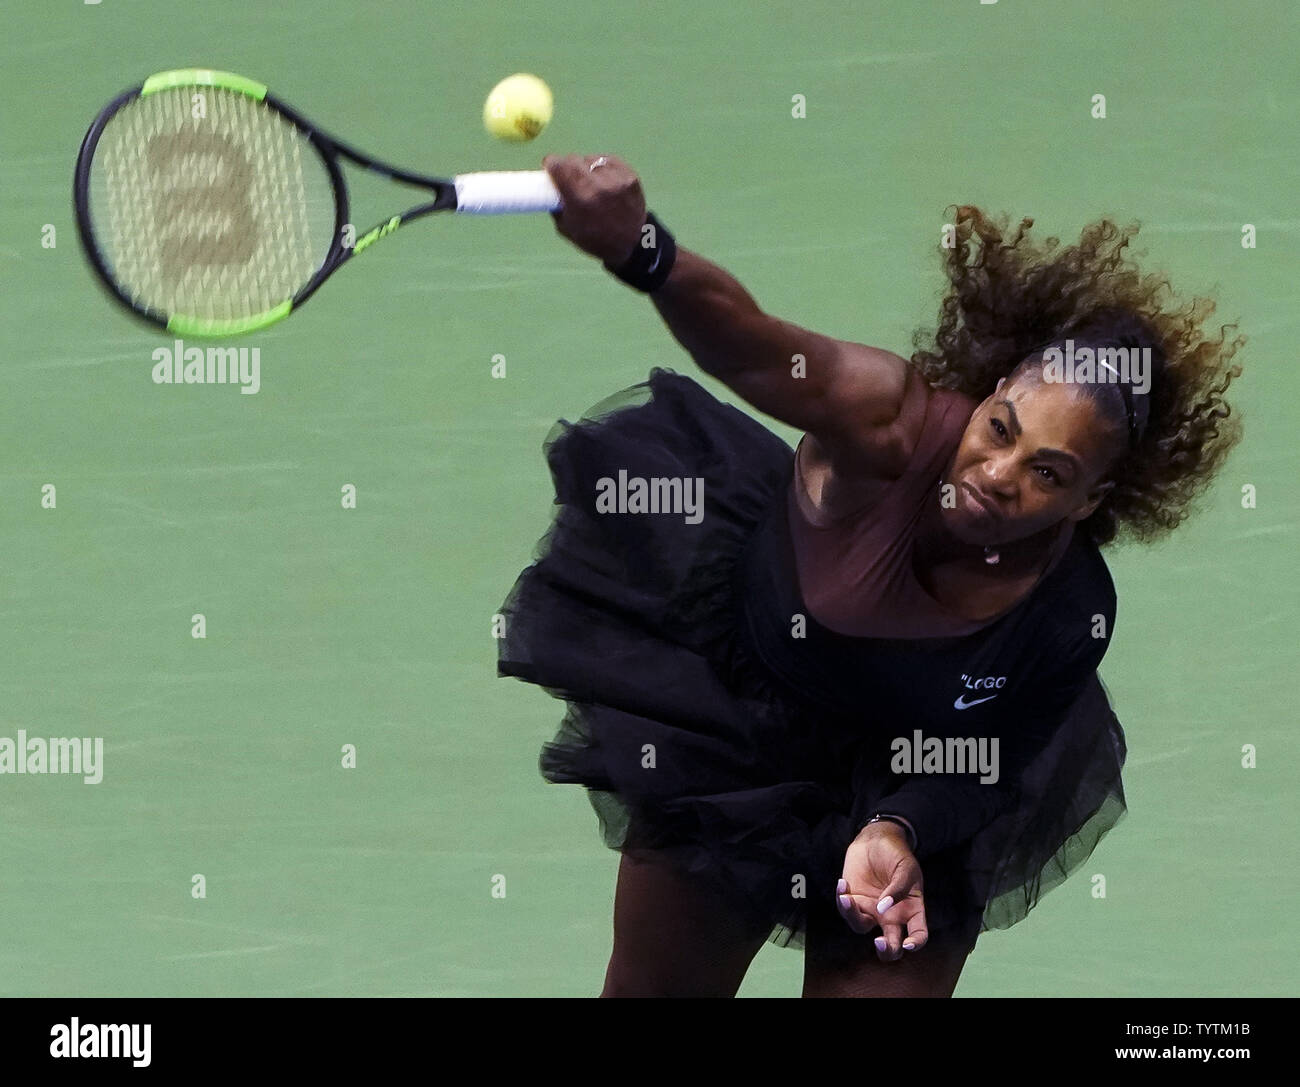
{"x":213,"y":211}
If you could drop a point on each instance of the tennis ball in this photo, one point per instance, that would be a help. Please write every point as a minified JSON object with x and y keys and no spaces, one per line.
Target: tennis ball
{"x":518,"y":108}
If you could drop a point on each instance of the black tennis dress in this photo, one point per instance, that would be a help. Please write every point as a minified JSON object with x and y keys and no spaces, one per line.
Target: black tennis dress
{"x":716,"y":723}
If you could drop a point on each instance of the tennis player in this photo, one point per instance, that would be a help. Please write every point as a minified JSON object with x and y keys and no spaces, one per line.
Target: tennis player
{"x":845,"y":697}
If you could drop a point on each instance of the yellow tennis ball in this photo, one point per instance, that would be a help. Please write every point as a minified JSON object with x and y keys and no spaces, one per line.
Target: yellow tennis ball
{"x":518,"y":108}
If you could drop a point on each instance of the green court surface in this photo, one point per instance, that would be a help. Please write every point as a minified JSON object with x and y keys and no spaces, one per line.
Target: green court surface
{"x":373,"y":626}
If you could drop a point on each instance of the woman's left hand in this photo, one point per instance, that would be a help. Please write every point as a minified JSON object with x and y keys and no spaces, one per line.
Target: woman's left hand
{"x":882,"y":885}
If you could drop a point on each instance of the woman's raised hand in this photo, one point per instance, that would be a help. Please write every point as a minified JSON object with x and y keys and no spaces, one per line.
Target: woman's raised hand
{"x":604,"y":207}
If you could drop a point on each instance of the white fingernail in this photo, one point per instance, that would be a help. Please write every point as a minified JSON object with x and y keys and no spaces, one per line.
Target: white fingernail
{"x":884,"y":903}
{"x":880,"y":943}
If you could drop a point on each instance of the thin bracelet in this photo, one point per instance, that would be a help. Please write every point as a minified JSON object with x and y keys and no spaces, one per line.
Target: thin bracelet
{"x":911,"y":834}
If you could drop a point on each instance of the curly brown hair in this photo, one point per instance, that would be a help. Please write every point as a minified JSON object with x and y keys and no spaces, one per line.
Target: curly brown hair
{"x":1008,"y":298}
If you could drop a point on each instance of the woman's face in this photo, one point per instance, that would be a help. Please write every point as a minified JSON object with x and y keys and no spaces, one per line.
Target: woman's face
{"x":1033,"y":454}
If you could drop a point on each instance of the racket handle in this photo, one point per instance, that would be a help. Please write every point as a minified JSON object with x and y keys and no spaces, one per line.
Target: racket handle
{"x":496,"y":193}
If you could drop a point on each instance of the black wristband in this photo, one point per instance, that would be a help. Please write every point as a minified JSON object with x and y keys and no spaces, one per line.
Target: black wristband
{"x":651,"y":260}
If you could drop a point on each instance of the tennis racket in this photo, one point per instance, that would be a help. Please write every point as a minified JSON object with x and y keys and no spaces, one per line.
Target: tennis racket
{"x":210,"y":208}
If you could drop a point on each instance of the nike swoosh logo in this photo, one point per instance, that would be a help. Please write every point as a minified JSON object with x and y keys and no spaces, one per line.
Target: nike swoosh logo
{"x":962,"y":704}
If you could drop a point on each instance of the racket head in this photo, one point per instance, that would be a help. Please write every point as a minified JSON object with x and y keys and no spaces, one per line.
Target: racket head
{"x":205,"y":206}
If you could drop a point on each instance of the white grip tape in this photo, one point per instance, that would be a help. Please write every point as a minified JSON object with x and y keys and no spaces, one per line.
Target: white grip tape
{"x":506,"y":191}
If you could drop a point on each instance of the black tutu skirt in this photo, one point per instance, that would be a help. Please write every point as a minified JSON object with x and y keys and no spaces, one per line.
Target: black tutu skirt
{"x":688,"y":747}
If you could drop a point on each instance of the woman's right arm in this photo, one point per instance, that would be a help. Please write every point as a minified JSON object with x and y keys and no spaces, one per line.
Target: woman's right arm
{"x":860,"y":403}
{"x":863,"y":405}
